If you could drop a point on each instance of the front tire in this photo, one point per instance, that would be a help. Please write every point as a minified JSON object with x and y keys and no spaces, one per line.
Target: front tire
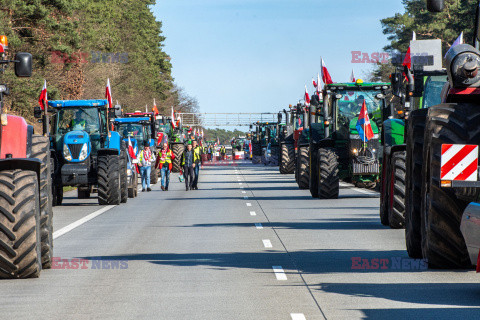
{"x":177,"y":150}
{"x":123,"y":173}
{"x":328,"y":180}
{"x":20,"y":239}
{"x":108,"y":180}
{"x":396,"y":214}
{"x":303,"y":168}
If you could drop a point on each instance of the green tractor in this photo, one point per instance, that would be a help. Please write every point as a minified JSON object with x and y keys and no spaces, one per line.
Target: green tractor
{"x":417,"y":89}
{"x":337,"y":150}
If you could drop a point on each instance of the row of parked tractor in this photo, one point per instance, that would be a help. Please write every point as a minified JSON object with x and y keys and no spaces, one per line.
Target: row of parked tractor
{"x":422,"y":153}
{"x":87,"y":144}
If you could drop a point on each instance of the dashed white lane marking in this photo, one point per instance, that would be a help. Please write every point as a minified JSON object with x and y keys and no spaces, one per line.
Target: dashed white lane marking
{"x":249,"y":204}
{"x":298,"y":316}
{"x":240,"y":183}
{"x":267,"y":243}
{"x":253,"y":213}
{"x":246,"y":198}
{"x":258,"y":226}
{"x":81,"y":221}
{"x":244,"y":191}
{"x":279,"y":273}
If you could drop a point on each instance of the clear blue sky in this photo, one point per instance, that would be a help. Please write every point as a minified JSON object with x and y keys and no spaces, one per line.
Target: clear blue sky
{"x":257,"y":55}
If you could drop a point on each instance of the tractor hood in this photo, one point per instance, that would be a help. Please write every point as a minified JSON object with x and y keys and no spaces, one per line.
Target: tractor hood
{"x":76,"y":146}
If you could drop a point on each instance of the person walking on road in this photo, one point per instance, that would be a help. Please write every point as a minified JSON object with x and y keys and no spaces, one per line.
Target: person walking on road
{"x":166,"y":156}
{"x":198,"y":155}
{"x":145,"y":160}
{"x":223,"y":151}
{"x":188,"y":164}
{"x":209,"y":153}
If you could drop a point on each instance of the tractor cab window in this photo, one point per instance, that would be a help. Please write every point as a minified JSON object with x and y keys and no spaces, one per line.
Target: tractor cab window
{"x":350,"y":105}
{"x":132,"y":130}
{"x":78,"y":118}
{"x":433,"y":91}
{"x":299,"y":122}
{"x":165,"y":128}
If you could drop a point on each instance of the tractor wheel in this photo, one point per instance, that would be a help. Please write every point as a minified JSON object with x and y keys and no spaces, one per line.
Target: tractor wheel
{"x":413,"y":199}
{"x":274,"y":159}
{"x":386,"y":188}
{"x":83,"y":193}
{"x":20,"y":239}
{"x":41,"y":151}
{"x":154,"y":176}
{"x":108,"y":180}
{"x":57,"y":192}
{"x":177,"y":149}
{"x":313,"y":178}
{"x":287,"y":164}
{"x":123,"y":173}
{"x":303,"y":168}
{"x":328,"y":180}
{"x":396,"y":216}
{"x":442,"y":208}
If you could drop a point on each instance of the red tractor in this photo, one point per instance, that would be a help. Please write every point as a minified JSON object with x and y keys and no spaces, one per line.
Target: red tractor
{"x":26,"y":240}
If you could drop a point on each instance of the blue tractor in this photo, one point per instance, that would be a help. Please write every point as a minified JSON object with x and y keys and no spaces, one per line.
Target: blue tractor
{"x":135,"y":131}
{"x":86,"y":153}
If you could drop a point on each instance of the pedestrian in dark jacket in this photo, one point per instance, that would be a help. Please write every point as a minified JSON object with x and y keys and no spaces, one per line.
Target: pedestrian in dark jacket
{"x":188,"y":164}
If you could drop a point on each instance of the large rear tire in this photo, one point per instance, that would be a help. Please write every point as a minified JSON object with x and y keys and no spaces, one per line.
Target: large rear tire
{"x":83,"y":193}
{"x":177,"y":149}
{"x":274,"y":158}
{"x":314,"y":173}
{"x":396,"y":216}
{"x":413,"y":181}
{"x":287,"y":164}
{"x":303,"y":168}
{"x":328,"y":180}
{"x":386,"y":189}
{"x":20,"y":239}
{"x":41,"y":151}
{"x":442,"y":208}
{"x":108,"y":180}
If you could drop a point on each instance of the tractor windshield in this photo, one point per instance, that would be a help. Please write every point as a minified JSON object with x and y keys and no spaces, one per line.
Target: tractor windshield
{"x":165,"y":128}
{"x":433,"y":91}
{"x":132,"y":130}
{"x":350,"y":105}
{"x":80,"y":118}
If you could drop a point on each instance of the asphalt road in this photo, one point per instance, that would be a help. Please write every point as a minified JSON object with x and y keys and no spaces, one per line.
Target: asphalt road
{"x":248,"y":245}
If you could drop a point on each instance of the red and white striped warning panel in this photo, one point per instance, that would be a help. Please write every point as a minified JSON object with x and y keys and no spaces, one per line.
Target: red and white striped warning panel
{"x":459,"y":162}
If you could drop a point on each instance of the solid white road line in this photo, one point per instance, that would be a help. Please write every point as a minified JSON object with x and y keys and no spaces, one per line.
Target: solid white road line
{"x":298,"y":316}
{"x":279,"y":273}
{"x":258,"y":226}
{"x":253,"y":213}
{"x":249,"y":204}
{"x":267,"y":243}
{"x":81,"y":221}
{"x":244,"y":191}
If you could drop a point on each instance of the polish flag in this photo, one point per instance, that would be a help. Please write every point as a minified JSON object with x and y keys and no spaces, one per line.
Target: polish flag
{"x":173,"y":119}
{"x":155,"y":109}
{"x":315,"y":85}
{"x":43,"y":99}
{"x":327,"y":79}
{"x":202,"y":133}
{"x":131,"y":152}
{"x":108,"y":94}
{"x":352,"y":77}
{"x":407,"y":62}
{"x":307,"y":96}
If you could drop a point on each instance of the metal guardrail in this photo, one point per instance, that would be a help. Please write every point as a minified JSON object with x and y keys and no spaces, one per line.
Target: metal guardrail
{"x":226,"y":119}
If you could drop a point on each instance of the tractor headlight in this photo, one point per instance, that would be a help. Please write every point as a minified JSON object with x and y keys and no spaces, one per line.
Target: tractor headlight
{"x":355,"y":152}
{"x":83,"y":152}
{"x":129,"y":172}
{"x":66,"y":153}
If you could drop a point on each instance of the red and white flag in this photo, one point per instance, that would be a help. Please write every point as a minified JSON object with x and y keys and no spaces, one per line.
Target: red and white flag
{"x":407,"y":62}
{"x":108,"y":94}
{"x":307,"y":96}
{"x":319,"y":85}
{"x":131,"y":152}
{"x":314,"y":83}
{"x":173,"y":119}
{"x":352,"y":77}
{"x":202,"y":133}
{"x":43,"y":99}
{"x":327,"y":79}
{"x":155,"y":109}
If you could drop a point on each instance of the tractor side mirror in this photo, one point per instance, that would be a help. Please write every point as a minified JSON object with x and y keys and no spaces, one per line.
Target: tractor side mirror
{"x":396,"y":80}
{"x":435,"y":5}
{"x":23,"y":64}
{"x":37,"y":112}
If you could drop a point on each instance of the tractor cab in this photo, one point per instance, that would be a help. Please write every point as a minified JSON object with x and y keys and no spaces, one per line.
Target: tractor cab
{"x":137,"y":130}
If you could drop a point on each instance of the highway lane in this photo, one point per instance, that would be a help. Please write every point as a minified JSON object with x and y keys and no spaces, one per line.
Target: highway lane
{"x":247,"y":245}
